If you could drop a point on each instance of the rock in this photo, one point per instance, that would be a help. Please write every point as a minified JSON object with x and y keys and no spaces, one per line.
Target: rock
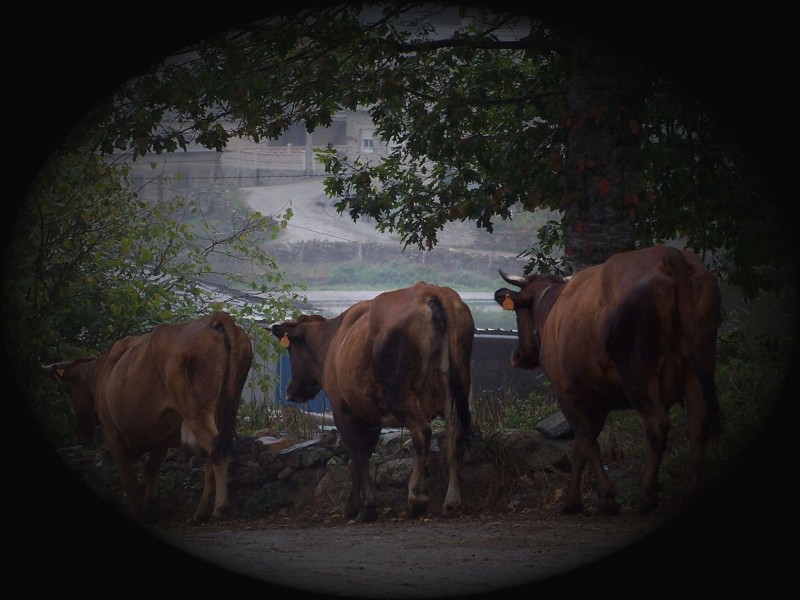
{"x":555,"y":427}
{"x":270,"y":472}
{"x":248,"y":473}
{"x":275,"y":444}
{"x":326,"y":485}
{"x":394,"y":472}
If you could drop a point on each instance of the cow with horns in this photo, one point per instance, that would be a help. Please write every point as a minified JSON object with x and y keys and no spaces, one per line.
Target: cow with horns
{"x":636,"y":332}
{"x":400,"y":359}
{"x":179,"y":384}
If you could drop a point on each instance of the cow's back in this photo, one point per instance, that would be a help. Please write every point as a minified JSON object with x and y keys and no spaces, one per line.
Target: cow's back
{"x":600,"y":309}
{"x":131,"y":393}
{"x":175,"y":371}
{"x":402,"y":338}
{"x":690,"y":294}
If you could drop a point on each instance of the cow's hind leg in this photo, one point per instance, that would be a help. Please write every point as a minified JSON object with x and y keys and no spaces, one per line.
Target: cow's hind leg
{"x":405,"y":406}
{"x":572,"y":503}
{"x":219,"y":484}
{"x":418,"y":482}
{"x":703,"y":427}
{"x":452,"y":500}
{"x":201,"y":435}
{"x":586,"y":426}
{"x":585,"y":448}
{"x":657,"y":426}
{"x":213,"y":504}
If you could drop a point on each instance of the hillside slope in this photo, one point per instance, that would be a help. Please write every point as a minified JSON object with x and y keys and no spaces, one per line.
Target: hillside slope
{"x":316,"y":219}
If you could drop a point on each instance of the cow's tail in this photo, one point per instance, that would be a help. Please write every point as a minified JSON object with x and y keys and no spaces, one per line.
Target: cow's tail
{"x":459,"y":353}
{"x":238,"y":359}
{"x":697,"y":346}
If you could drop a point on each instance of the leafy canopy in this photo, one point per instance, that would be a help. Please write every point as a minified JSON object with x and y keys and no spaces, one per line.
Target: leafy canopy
{"x":476,"y":114}
{"x":90,"y":262}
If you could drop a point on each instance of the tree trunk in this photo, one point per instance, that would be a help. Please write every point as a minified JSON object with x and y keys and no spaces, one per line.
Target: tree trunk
{"x":604,"y":97}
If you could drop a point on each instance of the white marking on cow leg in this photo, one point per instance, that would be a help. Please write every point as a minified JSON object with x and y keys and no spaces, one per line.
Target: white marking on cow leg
{"x":187,"y":437}
{"x":221,"y":496}
{"x":205,"y":506}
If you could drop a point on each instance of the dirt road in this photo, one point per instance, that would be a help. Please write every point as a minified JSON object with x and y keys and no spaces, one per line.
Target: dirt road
{"x":63,"y":537}
{"x":313,"y":215}
{"x":402,"y":558}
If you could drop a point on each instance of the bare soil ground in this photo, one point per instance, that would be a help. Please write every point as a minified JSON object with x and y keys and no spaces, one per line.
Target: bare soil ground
{"x":733,"y":539}
{"x":402,"y":558}
{"x":313,"y":215}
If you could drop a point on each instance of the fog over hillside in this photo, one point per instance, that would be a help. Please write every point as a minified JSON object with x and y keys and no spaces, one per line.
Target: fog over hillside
{"x":319,"y":240}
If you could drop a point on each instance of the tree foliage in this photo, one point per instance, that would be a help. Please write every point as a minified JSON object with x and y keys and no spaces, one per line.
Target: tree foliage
{"x":89,"y":262}
{"x":483,"y":125}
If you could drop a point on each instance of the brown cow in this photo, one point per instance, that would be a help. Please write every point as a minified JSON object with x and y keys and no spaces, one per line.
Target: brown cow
{"x":638,"y":331}
{"x":178,"y":385}
{"x":400,"y":359}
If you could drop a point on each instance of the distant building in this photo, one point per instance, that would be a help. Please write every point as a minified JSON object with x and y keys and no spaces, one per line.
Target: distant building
{"x":248,"y":163}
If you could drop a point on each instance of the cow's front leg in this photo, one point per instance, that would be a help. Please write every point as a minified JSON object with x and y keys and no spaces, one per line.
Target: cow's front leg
{"x":361,"y":442}
{"x":150,"y":472}
{"x":130,"y":479}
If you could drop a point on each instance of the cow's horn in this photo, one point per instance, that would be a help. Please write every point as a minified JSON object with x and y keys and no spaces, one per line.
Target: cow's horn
{"x":513,"y":279}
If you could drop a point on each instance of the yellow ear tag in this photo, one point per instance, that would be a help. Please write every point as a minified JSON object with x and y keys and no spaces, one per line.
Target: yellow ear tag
{"x":508,"y":303}
{"x":285,"y":340}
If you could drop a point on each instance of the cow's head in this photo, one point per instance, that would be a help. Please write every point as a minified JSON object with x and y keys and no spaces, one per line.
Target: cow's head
{"x":531,"y":309}
{"x":298,"y":336}
{"x":75,"y":375}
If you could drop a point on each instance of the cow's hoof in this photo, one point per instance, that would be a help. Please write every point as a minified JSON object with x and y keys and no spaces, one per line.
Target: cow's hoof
{"x":417,"y":504}
{"x":451,"y":512}
{"x":216,"y":519}
{"x":150,"y":515}
{"x":647,"y":505}
{"x":573,"y":508}
{"x":368,"y":514}
{"x":609,"y":509}
{"x":198,"y":520}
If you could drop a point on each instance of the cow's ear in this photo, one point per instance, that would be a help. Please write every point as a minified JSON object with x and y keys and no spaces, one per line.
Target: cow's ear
{"x":282,"y":331}
{"x":506,"y":298}
{"x":285,"y":340}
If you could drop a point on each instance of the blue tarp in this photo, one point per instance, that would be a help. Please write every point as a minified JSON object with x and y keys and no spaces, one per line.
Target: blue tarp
{"x":318,"y":404}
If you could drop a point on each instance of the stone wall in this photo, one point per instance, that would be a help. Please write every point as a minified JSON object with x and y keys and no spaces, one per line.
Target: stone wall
{"x":313,"y":251}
